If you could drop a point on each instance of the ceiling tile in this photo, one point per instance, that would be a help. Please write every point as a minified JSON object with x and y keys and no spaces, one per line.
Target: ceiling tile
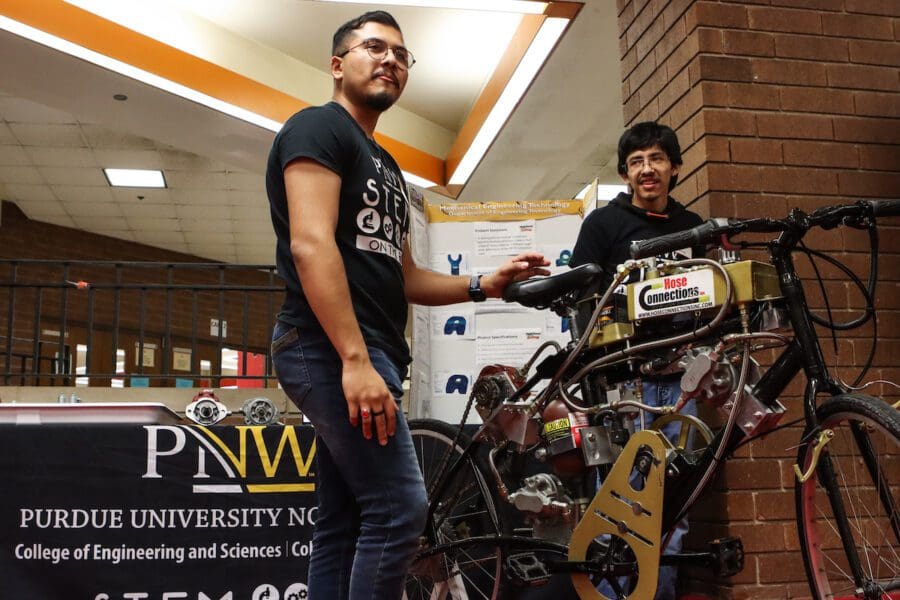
{"x":38,"y":210}
{"x":204,"y":198}
{"x":255,"y":198}
{"x":256,"y":257}
{"x":63,"y":220}
{"x":254,"y":226}
{"x":248,"y":182}
{"x":91,"y":176}
{"x":101,"y":137}
{"x":142,"y":195}
{"x":194,"y":212}
{"x":207,"y":225}
{"x":98,"y":209}
{"x":222,"y":238}
{"x":259,"y":246}
{"x":6,"y":135}
{"x":13,"y":155}
{"x":148,"y":224}
{"x":160,"y":238}
{"x":197,"y":180}
{"x":253,"y":212}
{"x":82,"y":193}
{"x":48,"y":134}
{"x":137,"y":209}
{"x":33,"y":193}
{"x":20,"y":110}
{"x":100,"y":224}
{"x":179,"y":160}
{"x":43,"y":156}
{"x":128,"y":159}
{"x":20,"y":175}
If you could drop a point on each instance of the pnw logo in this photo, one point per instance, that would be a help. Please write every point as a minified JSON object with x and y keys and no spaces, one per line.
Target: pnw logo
{"x":248,"y":459}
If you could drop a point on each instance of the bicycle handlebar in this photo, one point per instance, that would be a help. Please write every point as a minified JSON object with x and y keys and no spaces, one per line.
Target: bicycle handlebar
{"x":885,"y":208}
{"x":701,"y":234}
{"x":713,"y":230}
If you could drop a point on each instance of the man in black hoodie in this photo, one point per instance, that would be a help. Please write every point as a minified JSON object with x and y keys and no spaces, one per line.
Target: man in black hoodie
{"x":649,"y":158}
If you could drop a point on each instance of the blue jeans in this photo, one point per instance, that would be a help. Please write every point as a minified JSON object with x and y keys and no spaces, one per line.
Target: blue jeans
{"x":372,"y":504}
{"x":664,"y":392}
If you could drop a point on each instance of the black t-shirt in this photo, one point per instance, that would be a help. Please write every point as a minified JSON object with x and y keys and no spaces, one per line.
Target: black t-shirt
{"x":373,"y":222}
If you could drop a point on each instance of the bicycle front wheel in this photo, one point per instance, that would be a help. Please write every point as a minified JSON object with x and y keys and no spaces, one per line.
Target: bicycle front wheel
{"x":451,"y":564}
{"x":847,"y":515}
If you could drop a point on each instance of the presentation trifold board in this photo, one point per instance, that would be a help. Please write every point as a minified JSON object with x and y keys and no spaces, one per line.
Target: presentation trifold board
{"x":451,"y":344}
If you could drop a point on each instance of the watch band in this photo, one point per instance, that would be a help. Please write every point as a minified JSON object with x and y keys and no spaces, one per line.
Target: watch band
{"x":475,"y":292}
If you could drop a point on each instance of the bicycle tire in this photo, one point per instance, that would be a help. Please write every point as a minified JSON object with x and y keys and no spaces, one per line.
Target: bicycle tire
{"x":466,"y":509}
{"x":870,"y":501}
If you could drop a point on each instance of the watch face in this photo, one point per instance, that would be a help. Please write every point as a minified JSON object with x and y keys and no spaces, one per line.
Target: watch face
{"x":475,"y":292}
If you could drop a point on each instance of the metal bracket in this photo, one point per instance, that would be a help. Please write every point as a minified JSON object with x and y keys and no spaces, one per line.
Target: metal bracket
{"x":826,"y":436}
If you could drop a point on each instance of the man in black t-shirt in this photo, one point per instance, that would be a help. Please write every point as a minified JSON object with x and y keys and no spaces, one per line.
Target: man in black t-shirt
{"x":341,"y":216}
{"x":649,"y":157}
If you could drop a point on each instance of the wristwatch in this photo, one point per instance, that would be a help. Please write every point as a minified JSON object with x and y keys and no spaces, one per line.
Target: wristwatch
{"x":475,"y":292}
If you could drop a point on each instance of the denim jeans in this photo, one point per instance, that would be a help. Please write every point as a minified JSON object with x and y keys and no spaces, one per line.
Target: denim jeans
{"x":371,"y":498}
{"x":664,"y":392}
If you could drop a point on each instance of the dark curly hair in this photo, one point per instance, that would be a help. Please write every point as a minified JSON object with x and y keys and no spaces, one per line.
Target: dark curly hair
{"x":646,"y":134}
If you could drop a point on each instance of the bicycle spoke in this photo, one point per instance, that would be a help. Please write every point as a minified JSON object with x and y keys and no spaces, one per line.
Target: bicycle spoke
{"x":867,"y":559}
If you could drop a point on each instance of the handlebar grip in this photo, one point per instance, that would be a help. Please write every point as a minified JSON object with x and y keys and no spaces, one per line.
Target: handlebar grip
{"x":885,"y":208}
{"x":701,"y":234}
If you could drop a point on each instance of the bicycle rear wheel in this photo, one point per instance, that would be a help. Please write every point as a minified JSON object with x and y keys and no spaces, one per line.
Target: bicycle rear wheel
{"x":464,"y":509}
{"x":857,"y":556}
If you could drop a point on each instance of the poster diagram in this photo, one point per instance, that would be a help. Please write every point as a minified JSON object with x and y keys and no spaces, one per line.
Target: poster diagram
{"x":475,"y":238}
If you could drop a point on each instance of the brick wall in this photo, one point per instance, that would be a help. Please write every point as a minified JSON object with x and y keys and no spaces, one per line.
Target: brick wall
{"x":249,"y":316}
{"x":777,"y":104}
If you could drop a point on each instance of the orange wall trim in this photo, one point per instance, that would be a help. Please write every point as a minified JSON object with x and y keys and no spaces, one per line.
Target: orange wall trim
{"x":93,"y":32}
{"x":518,"y":46}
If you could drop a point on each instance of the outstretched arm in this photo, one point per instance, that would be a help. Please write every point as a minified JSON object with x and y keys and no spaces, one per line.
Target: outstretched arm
{"x":431,"y":288}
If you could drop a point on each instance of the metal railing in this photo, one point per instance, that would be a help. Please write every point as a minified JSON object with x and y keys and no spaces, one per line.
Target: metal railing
{"x":60,"y":310}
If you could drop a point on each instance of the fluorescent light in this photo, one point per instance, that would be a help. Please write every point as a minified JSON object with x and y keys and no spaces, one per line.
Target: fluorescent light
{"x":416,"y":180}
{"x":144,"y":178}
{"x":516,"y":6}
{"x":525,"y":72}
{"x":117,"y":66}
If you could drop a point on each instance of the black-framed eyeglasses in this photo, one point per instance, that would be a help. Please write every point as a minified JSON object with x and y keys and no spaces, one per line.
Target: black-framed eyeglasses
{"x":378,"y":49}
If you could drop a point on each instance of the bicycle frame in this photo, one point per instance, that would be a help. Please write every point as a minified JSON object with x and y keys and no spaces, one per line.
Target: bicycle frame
{"x":803,"y":353}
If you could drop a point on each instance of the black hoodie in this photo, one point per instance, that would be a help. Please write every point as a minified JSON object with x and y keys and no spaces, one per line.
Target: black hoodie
{"x":607,"y":232}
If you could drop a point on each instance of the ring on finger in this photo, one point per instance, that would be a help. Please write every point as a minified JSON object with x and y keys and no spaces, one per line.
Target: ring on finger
{"x":377,"y":413}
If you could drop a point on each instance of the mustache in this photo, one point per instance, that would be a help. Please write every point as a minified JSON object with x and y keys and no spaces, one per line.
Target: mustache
{"x":388,"y":74}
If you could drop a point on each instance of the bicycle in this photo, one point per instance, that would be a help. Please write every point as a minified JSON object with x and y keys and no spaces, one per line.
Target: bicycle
{"x":701,"y":319}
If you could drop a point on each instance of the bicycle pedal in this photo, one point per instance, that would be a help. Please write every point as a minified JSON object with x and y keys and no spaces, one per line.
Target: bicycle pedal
{"x":527,"y":569}
{"x":728,"y":556}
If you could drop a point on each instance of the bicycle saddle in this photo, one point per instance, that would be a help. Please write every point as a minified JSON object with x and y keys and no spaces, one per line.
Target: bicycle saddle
{"x":541,"y":291}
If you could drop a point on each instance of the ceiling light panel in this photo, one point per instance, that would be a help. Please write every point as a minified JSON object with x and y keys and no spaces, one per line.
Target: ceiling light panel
{"x":142,"y":178}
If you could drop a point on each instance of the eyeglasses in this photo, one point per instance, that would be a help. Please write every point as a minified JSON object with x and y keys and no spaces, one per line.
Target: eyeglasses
{"x":655,"y":160}
{"x":378,"y":49}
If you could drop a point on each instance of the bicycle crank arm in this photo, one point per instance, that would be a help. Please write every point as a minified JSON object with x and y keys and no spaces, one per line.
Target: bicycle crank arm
{"x":725,"y":557}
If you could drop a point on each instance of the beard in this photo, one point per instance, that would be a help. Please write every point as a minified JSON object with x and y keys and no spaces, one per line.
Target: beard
{"x":380,"y":101}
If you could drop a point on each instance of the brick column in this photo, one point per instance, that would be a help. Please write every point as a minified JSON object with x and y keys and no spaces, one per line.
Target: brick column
{"x":778,"y":104}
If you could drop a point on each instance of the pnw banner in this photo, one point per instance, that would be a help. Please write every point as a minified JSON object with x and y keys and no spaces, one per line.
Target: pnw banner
{"x":109,"y":512}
